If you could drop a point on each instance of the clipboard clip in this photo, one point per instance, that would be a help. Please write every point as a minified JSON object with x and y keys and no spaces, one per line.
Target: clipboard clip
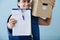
{"x":23,"y":17}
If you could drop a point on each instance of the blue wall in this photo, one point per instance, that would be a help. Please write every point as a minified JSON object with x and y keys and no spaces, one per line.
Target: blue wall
{"x":51,"y":32}
{"x":5,"y":11}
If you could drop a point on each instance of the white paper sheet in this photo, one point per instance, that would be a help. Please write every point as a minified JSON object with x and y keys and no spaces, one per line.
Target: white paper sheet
{"x":22,"y":27}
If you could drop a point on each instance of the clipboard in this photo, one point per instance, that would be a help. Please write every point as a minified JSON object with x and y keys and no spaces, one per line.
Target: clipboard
{"x":23,"y":26}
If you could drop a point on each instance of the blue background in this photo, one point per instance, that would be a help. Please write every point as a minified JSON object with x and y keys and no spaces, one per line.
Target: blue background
{"x":51,"y":32}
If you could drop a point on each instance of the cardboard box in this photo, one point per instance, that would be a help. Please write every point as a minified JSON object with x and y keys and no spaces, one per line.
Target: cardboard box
{"x":42,"y":8}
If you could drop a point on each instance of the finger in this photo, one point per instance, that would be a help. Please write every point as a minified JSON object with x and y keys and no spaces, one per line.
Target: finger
{"x":12,"y":19}
{"x":13,"y":22}
{"x":52,"y":1}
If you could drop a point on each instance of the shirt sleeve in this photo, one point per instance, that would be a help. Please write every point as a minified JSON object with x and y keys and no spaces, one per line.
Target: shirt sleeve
{"x":9,"y":30}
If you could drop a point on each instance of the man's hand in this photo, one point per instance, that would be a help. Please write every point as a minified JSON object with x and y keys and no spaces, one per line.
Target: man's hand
{"x":11,"y":23}
{"x":52,"y":3}
{"x":45,"y":21}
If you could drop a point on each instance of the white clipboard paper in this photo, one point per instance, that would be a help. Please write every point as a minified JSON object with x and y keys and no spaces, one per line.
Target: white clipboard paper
{"x":23,"y":26}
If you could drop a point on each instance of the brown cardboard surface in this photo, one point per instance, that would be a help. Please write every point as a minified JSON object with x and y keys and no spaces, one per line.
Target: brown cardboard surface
{"x":39,"y":12}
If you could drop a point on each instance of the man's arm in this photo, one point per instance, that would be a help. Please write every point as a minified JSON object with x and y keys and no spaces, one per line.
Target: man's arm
{"x":44,"y":21}
{"x":9,"y":30}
